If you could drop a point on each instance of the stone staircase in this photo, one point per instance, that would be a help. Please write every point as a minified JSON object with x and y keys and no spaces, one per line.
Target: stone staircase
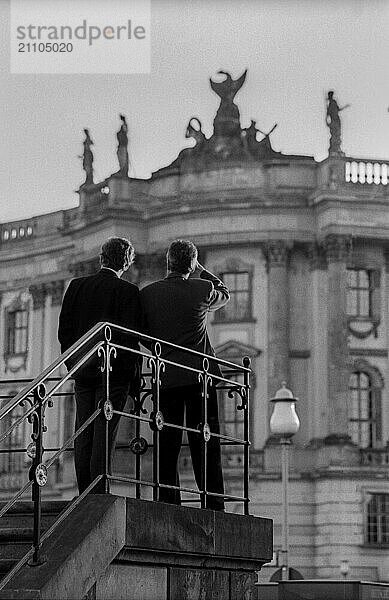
{"x":16,"y":530}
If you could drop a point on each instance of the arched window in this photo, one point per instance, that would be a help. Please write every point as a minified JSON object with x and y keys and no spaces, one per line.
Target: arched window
{"x":365,"y":413}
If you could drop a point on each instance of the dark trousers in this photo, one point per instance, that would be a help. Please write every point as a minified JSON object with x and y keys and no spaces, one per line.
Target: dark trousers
{"x":89,"y":446}
{"x":173,"y":403}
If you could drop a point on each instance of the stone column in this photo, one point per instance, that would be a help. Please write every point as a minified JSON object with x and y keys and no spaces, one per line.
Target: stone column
{"x":38,"y":293}
{"x":278,"y":315}
{"x":338,"y":365}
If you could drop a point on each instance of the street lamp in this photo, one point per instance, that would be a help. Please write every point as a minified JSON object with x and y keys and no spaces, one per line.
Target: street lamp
{"x":284,"y":423}
{"x":344,"y":568}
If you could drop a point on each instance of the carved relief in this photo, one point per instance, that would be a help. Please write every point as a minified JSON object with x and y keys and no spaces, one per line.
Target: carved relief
{"x":317,"y":256}
{"x":38,"y":293}
{"x":337,"y":248}
{"x":55,"y":289}
{"x":276,"y":253}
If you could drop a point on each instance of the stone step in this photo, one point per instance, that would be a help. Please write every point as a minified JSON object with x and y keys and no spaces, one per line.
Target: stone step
{"x":6,"y":565}
{"x":27,"y":507}
{"x":16,"y":529}
{"x":15,"y":534}
{"x":22,"y":520}
{"x":14,"y":550}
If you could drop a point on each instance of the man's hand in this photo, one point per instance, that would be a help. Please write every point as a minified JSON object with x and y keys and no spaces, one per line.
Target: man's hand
{"x":198,"y":269}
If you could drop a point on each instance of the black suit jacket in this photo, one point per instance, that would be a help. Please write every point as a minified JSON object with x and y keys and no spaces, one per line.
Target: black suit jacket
{"x":102,"y":297}
{"x":175,"y":309}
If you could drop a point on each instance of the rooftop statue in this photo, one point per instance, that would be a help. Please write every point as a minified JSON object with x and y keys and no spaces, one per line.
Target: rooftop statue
{"x":334,"y":124}
{"x":227,"y":120}
{"x":87,"y":158}
{"x":122,"y":151}
{"x":195,"y":131}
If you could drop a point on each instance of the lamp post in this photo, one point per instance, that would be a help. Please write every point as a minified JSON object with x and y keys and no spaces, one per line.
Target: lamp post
{"x":284,"y":423}
{"x":344,"y":568}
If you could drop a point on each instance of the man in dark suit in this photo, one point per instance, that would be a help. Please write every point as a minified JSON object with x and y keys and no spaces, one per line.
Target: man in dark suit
{"x":175,"y":310}
{"x":88,"y":300}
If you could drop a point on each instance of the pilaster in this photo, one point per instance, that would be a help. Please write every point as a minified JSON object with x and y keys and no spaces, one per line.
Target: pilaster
{"x":338,"y":364}
{"x":277,"y":253}
{"x":38,"y":293}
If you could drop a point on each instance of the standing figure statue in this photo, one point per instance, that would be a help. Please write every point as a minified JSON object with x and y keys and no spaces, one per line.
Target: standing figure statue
{"x":122,"y":151}
{"x":334,"y":124}
{"x":87,"y":158}
{"x":227,"y":120}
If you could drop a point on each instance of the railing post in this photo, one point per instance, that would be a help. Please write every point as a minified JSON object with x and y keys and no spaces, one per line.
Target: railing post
{"x":206,"y":432}
{"x":246,"y":434}
{"x":137,"y":455}
{"x":105,"y":352}
{"x":157,"y":425}
{"x":38,"y":471}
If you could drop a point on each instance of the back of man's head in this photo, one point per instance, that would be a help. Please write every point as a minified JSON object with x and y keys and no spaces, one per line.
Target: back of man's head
{"x":117,"y":254}
{"x":181,"y":257}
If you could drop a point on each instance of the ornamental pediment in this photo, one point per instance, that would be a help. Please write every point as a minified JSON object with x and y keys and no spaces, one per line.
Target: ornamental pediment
{"x":232,"y":349}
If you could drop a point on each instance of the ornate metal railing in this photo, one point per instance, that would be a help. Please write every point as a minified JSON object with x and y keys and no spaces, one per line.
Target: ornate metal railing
{"x":39,"y":394}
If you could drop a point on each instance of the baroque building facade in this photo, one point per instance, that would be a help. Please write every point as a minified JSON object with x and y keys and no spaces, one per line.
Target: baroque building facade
{"x":304,"y":249}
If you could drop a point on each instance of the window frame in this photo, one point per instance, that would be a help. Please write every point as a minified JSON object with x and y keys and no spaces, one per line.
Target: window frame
{"x":376,"y":543}
{"x":12,"y":329}
{"x":374,"y":407}
{"x":358,"y":289}
{"x":221,"y":315}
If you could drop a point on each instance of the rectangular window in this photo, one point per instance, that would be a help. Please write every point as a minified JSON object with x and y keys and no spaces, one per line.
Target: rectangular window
{"x":365,"y":413}
{"x":239,"y":306}
{"x":16,"y":332}
{"x":359,"y":293}
{"x":378,"y":519}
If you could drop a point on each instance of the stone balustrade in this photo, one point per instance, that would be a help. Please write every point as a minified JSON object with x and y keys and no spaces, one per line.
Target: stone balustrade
{"x":366,"y":171}
{"x":378,"y":457}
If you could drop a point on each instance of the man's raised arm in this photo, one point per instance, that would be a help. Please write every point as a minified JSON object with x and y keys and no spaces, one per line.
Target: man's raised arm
{"x":220,"y":294}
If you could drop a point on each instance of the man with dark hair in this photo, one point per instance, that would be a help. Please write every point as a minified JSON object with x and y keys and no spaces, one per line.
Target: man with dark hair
{"x":175,"y":310}
{"x":103,"y":296}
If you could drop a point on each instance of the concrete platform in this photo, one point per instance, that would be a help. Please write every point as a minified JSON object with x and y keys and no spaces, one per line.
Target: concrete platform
{"x":121,"y":548}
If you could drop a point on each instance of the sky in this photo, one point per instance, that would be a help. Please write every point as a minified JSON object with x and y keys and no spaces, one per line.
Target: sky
{"x":294,"y":50}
